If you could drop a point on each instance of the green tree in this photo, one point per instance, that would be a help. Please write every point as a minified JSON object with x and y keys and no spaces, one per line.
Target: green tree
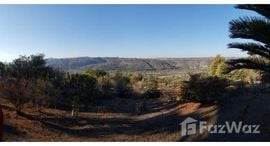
{"x":217,"y":66}
{"x":256,"y":28}
{"x":82,"y":86}
{"x":220,"y":72}
{"x":29,"y":79}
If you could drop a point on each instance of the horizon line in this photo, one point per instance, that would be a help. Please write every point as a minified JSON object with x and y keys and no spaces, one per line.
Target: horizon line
{"x":141,"y":57}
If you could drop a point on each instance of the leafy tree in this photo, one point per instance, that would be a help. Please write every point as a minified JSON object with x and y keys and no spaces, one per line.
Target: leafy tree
{"x":82,"y":86}
{"x":29,"y":79}
{"x":29,"y":67}
{"x":256,"y":29}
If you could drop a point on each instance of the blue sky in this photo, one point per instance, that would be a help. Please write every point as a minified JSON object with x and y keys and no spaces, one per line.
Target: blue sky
{"x":139,"y":31}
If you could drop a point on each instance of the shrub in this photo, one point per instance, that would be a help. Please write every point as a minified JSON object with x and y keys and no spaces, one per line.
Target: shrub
{"x":43,"y":94}
{"x":96,"y":73}
{"x":217,"y":65}
{"x":136,"y":77}
{"x":152,"y":86}
{"x":105,"y":87}
{"x":84,"y":87}
{"x":203,"y":89}
{"x":18,"y":92}
{"x":152,"y":82}
{"x":245,"y":75}
{"x":121,"y":84}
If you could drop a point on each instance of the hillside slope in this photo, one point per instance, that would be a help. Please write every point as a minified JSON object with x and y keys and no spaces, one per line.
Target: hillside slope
{"x":127,"y":64}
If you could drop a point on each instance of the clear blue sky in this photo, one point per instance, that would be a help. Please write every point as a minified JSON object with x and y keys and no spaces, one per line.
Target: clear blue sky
{"x":116,"y":30}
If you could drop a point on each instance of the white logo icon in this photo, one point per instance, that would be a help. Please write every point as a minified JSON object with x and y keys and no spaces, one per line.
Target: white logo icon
{"x":188,"y":126}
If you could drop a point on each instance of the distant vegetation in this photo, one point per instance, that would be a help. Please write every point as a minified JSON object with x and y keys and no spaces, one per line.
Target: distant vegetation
{"x":28,"y":81}
{"x":128,"y":64}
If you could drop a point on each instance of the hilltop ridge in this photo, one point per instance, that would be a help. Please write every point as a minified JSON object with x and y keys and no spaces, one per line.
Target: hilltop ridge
{"x":128,"y":64}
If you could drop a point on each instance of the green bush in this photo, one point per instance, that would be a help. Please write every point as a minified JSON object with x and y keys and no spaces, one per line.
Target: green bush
{"x":96,"y":73}
{"x":203,"y":89}
{"x":84,"y":87}
{"x":136,"y":77}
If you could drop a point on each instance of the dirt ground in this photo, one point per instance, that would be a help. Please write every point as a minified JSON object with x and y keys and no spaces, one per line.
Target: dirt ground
{"x":161,"y":123}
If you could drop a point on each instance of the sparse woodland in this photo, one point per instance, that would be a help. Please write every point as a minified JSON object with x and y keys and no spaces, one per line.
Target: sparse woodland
{"x":32,"y":88}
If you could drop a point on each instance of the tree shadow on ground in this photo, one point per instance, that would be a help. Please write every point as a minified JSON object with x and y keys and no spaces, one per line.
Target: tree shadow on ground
{"x":166,"y":123}
{"x":95,"y":127}
{"x":249,"y":106}
{"x":12,"y":132}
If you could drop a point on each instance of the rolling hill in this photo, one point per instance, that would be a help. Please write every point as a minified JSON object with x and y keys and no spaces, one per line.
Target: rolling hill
{"x":127,"y":64}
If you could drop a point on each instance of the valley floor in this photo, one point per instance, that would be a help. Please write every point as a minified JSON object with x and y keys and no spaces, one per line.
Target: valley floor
{"x":162,"y":124}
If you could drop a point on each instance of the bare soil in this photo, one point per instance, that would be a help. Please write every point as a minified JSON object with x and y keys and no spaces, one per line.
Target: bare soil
{"x":161,"y":123}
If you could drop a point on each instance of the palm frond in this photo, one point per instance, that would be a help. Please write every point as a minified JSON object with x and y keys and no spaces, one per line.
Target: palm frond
{"x":252,"y":48}
{"x":260,"y":9}
{"x":256,"y":63}
{"x":254,"y":28}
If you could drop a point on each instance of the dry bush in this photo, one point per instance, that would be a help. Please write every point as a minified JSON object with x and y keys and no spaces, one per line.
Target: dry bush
{"x":203,"y":89}
{"x":122,"y":85}
{"x":18,"y":92}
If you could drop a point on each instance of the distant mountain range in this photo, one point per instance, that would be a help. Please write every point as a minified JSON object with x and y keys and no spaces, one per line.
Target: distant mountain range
{"x":127,"y":64}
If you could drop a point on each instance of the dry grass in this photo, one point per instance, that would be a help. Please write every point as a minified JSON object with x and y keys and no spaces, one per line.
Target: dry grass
{"x":159,"y":124}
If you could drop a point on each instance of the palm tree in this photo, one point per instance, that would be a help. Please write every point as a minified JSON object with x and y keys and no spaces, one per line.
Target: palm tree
{"x":256,"y":29}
